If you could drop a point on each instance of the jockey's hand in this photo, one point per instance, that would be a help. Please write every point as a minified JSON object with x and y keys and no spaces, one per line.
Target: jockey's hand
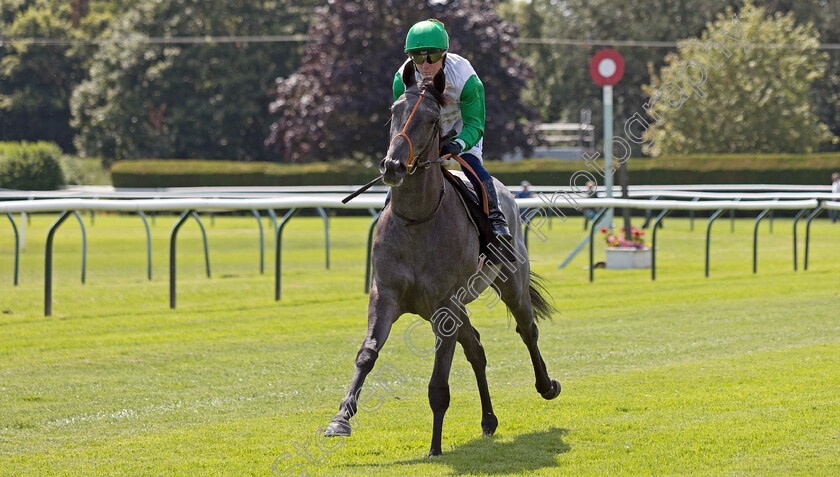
{"x":450,"y":148}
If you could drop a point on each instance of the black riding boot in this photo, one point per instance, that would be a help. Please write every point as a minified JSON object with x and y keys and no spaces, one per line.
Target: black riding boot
{"x":497,"y":218}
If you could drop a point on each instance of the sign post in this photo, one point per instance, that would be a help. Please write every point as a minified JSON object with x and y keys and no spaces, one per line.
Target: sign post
{"x":606,"y":68}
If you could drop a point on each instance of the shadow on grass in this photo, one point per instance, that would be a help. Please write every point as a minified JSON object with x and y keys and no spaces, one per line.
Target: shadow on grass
{"x":491,"y":456}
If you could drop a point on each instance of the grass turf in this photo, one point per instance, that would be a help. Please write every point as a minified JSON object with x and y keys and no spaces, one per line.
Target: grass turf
{"x":732,"y":374}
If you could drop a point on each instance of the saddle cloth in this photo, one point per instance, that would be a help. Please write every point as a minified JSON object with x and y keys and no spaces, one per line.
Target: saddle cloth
{"x":475,"y":211}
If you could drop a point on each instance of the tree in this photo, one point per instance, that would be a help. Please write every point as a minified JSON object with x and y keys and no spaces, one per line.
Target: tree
{"x":337,"y":103}
{"x":196,"y":100}
{"x":749,"y":100}
{"x":825,"y":91}
{"x":562,"y":85}
{"x":36,"y":81}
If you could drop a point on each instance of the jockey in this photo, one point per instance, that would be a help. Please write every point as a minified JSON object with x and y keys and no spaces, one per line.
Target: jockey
{"x":427,"y":45}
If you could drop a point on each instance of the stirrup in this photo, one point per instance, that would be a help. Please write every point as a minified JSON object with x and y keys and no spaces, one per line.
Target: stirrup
{"x":501,"y":230}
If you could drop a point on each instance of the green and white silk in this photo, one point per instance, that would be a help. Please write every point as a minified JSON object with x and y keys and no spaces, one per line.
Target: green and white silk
{"x":464,"y":111}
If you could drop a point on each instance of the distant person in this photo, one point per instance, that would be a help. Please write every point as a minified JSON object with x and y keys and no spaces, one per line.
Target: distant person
{"x":591,"y":193}
{"x":525,"y":193}
{"x":835,"y":189}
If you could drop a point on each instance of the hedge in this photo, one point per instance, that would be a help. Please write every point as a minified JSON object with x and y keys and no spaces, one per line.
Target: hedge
{"x":30,"y":166}
{"x":807,"y":169}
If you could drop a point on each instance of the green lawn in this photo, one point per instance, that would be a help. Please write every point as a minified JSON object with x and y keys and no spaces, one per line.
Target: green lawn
{"x":727,"y":375}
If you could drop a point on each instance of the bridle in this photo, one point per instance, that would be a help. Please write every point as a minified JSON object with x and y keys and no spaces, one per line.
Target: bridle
{"x":412,"y":164}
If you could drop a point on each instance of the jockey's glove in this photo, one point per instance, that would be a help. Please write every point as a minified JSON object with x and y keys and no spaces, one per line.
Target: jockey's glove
{"x":450,"y":148}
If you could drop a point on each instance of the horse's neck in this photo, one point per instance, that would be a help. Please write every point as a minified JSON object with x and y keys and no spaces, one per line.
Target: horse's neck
{"x":420,"y":193}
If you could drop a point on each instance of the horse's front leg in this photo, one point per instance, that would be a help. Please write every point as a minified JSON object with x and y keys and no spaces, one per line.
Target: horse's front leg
{"x":383,"y":310}
{"x":445,"y":335}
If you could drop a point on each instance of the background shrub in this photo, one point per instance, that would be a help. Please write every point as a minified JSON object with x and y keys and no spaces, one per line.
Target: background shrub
{"x":806,"y":169}
{"x":30,"y":166}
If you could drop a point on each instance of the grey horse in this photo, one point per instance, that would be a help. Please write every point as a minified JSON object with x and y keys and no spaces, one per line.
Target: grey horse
{"x":426,"y":261}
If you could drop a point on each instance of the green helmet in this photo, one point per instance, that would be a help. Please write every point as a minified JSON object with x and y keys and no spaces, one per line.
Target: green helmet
{"x":427,"y":35}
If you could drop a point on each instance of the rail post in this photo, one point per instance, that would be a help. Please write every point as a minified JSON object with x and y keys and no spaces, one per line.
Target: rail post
{"x":172,"y":262}
{"x":262,"y":240}
{"x":48,"y":256}
{"x":732,"y":217}
{"x":656,"y":221}
{"x":273,"y":217}
{"x":148,"y":245}
{"x":811,"y":217}
{"x":795,"y":221}
{"x":277,"y":252}
{"x":17,"y":246}
{"x":204,"y":238}
{"x":84,"y":244}
{"x":771,"y":215}
{"x":691,"y":215}
{"x":326,"y":219}
{"x":595,"y":221}
{"x":526,"y":224}
{"x":709,"y":235}
{"x":755,"y":238}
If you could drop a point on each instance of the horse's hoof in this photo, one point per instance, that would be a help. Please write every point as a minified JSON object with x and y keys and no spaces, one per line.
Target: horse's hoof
{"x":434,"y":453}
{"x":489,"y":424}
{"x":338,"y":427}
{"x":553,"y":392}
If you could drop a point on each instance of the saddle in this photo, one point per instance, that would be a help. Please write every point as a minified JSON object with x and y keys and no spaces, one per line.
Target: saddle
{"x":488,"y":244}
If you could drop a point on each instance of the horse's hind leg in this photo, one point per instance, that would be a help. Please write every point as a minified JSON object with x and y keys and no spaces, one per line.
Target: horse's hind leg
{"x":382,"y":312}
{"x":515,"y":292}
{"x":471,"y":342}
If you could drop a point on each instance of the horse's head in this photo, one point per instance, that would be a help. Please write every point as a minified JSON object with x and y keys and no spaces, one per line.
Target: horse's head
{"x":415,"y":126}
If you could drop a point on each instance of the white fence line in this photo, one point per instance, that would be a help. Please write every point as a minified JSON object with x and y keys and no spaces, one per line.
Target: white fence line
{"x":670,"y":204}
{"x":174,"y":205}
{"x":369,"y":201}
{"x":376,"y":201}
{"x":742,"y":196}
{"x":690,"y":190}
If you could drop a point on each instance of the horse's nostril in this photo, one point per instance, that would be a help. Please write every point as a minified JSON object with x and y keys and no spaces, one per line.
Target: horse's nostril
{"x":392,"y":165}
{"x":393,"y":171}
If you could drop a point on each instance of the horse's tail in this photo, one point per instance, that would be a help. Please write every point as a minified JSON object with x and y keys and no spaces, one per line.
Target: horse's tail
{"x":543,"y":308}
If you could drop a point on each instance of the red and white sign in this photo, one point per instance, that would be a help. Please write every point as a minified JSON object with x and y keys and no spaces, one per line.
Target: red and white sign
{"x":607,"y":67}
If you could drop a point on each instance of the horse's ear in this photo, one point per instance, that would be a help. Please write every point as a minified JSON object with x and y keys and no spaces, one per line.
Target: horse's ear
{"x":408,"y":75}
{"x":439,"y":81}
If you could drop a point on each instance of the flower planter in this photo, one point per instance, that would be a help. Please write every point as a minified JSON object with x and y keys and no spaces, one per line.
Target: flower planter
{"x":624,"y":258}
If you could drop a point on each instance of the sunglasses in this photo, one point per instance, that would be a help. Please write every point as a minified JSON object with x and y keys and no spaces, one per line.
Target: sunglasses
{"x":419,"y":57}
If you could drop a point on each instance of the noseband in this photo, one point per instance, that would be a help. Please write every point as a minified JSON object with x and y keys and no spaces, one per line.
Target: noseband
{"x":412,"y":164}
